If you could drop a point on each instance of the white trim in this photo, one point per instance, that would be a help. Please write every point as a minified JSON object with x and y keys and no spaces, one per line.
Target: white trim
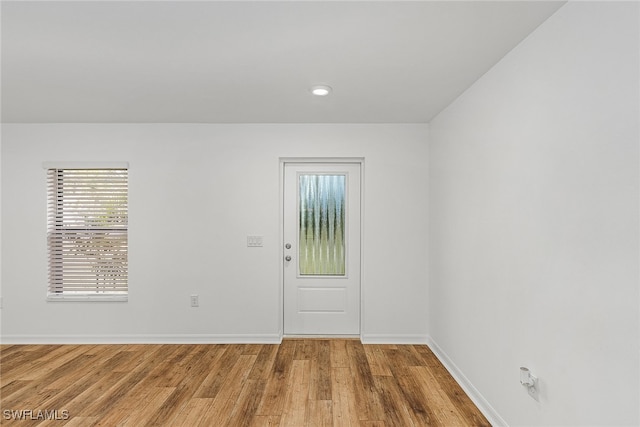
{"x":283,"y":161}
{"x":324,"y":337}
{"x":85,"y":298}
{"x":307,"y":160}
{"x":143,"y":339}
{"x":362,"y":250}
{"x":478,"y":399}
{"x":85,"y":165}
{"x":393,"y":339}
{"x":281,"y":255}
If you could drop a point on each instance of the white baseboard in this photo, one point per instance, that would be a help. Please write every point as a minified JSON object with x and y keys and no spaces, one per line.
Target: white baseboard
{"x":393,"y":339}
{"x":190,"y":339}
{"x":483,"y":405}
{"x":143,"y":339}
{"x":319,"y":336}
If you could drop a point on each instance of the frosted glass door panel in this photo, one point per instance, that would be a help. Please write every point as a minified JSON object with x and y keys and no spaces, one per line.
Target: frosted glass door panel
{"x":322,"y":225}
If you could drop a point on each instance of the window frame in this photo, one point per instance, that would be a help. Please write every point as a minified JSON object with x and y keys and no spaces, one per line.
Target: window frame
{"x":105,"y":295}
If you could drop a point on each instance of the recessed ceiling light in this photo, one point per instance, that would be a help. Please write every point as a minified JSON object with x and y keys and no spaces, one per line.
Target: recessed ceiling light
{"x":321,"y":90}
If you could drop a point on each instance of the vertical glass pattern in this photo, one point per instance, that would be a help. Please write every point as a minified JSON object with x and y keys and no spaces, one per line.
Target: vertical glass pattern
{"x":322,"y":221}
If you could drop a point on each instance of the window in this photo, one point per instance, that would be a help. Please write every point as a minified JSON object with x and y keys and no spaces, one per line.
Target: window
{"x":87,"y":227}
{"x":322,"y":225}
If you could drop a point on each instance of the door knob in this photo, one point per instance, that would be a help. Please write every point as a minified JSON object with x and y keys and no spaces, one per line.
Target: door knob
{"x":288,"y":246}
{"x":287,"y":258}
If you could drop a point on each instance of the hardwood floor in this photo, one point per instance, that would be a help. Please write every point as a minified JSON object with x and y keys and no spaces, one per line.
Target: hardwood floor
{"x":300,"y":382}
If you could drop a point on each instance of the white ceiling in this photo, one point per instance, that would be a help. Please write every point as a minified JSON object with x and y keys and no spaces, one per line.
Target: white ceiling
{"x":250,"y":62}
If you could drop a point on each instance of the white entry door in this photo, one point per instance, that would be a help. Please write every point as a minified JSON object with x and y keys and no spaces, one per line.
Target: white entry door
{"x":322,"y":248}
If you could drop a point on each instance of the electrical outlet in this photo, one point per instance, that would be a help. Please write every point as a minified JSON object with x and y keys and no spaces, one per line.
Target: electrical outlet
{"x":530,"y":381}
{"x":194,"y":301}
{"x":533,"y":391}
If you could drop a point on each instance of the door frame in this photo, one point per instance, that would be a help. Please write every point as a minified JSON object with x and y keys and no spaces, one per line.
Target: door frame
{"x":320,"y":160}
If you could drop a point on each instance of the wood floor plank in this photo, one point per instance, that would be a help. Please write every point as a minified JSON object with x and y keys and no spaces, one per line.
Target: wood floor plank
{"x":344,"y":412}
{"x":106,"y":389}
{"x":19,"y":360}
{"x":63,"y":357}
{"x":68,"y":394}
{"x":368,"y":403}
{"x":394,"y":407}
{"x":264,"y":362}
{"x":245,"y":407}
{"x":221,"y":409}
{"x":415,"y":398}
{"x":272,"y":401}
{"x":139,"y":392}
{"x":296,"y":404}
{"x":38,"y":391}
{"x":110,"y":397}
{"x":373,"y":424}
{"x":10,"y":349}
{"x":339,"y":356}
{"x":82,"y":422}
{"x":80,"y":366}
{"x":305,"y":349}
{"x":300,"y":382}
{"x":428,"y":357}
{"x":40,"y":362}
{"x":378,"y":362}
{"x":251,"y":394}
{"x":320,"y":381}
{"x":90,"y":392}
{"x":173,"y":369}
{"x":219,"y":369}
{"x":444,"y":411}
{"x":193,"y":413}
{"x":194,"y":371}
{"x":146,"y":406}
{"x":265,"y":421}
{"x":320,"y":413}
{"x":252,"y":349}
{"x":410,"y":356}
{"x":453,"y":390}
{"x":14,"y":387}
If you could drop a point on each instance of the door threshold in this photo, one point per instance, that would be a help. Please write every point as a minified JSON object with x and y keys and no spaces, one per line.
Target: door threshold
{"x":320,"y":337}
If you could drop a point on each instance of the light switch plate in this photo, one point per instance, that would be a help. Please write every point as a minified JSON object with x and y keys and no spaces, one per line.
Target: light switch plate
{"x":254,"y":241}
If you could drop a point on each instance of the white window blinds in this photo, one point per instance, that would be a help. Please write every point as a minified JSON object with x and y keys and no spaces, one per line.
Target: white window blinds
{"x":87,"y":232}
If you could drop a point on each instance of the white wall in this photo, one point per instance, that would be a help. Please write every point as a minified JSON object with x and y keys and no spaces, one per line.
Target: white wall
{"x":534,"y":247}
{"x":196,"y":192}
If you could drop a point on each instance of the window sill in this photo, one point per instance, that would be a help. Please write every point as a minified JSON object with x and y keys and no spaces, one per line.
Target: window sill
{"x":89,"y":298}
